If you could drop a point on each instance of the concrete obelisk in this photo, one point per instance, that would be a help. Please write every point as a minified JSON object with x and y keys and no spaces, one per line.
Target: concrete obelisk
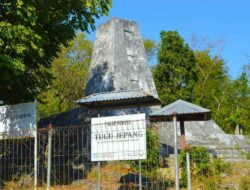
{"x":119,"y":61}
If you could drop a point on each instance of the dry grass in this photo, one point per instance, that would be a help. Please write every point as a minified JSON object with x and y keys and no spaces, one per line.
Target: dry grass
{"x":110,"y":177}
{"x":111,"y":173}
{"x":230,"y":179}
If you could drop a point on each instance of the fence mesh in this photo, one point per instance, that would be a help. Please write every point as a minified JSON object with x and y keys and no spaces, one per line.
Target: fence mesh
{"x":71,"y":166}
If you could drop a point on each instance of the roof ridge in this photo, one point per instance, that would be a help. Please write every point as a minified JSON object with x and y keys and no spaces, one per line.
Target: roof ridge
{"x":116,"y":91}
{"x":123,"y":95}
{"x":192,"y":108}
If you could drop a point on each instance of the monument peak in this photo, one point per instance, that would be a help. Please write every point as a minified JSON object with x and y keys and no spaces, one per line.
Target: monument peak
{"x":119,"y":61}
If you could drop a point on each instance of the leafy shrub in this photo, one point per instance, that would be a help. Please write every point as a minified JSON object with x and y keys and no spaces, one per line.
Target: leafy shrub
{"x":207,"y":171}
{"x":153,"y":152}
{"x":248,"y":155}
{"x":199,"y":159}
{"x":220,"y":166}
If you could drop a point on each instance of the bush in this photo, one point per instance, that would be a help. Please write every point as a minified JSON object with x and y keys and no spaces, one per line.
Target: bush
{"x":209,"y":173}
{"x":248,"y":155}
{"x":153,"y":152}
{"x":199,"y":162}
{"x":221,"y":166}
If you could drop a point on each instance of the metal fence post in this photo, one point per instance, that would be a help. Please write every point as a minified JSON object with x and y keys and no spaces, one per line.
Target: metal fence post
{"x":35,"y":160}
{"x":49,"y":155}
{"x":188,"y":171}
{"x":176,"y":152}
{"x":99,"y":171}
{"x":99,"y":175}
{"x":35,"y":153}
{"x":140,"y":181}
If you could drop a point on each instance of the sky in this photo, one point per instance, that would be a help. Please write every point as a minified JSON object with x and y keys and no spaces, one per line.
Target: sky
{"x":224,"y":23}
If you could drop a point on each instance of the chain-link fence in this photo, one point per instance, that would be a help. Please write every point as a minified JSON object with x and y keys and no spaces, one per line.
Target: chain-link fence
{"x":64,"y":154}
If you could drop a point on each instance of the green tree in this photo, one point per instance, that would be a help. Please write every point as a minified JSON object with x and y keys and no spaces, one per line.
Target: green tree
{"x":174,"y":73}
{"x":151,"y":48}
{"x":228,"y":99}
{"x":239,"y":109}
{"x":31,"y":33}
{"x":212,"y":87}
{"x":70,"y":70}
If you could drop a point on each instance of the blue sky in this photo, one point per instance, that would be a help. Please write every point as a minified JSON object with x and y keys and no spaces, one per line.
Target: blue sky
{"x":226,"y":23}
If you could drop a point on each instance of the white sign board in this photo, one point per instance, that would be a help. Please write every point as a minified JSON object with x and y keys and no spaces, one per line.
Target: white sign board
{"x":118,"y":138}
{"x":18,"y":120}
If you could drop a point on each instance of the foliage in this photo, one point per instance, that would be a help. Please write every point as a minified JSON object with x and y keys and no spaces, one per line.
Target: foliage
{"x":228,"y":99}
{"x":239,"y":105}
{"x":248,"y":155}
{"x":175,"y":74}
{"x":151,"y":48}
{"x":219,"y":166}
{"x":213,"y":85}
{"x":207,"y":171}
{"x":202,"y":78}
{"x":199,"y":160}
{"x":212,"y":78}
{"x":70,"y":70}
{"x":31,"y":33}
{"x":153,"y":152}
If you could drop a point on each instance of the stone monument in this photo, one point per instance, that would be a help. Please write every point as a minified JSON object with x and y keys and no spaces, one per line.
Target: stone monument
{"x":118,"y":63}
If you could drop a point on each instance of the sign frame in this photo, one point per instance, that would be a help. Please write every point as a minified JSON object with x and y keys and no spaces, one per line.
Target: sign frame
{"x":18,"y":120}
{"x":118,"y":138}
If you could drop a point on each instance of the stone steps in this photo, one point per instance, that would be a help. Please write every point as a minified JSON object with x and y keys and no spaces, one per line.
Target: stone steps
{"x":220,"y":149}
{"x":204,"y":142}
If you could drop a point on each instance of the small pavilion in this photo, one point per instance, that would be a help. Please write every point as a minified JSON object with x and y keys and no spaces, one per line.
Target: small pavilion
{"x":181,"y":111}
{"x":184,"y":111}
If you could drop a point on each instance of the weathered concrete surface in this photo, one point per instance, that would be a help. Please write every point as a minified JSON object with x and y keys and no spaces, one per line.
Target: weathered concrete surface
{"x":207,"y":134}
{"x":119,"y":60}
{"x":77,"y":116}
{"x":82,"y":116}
